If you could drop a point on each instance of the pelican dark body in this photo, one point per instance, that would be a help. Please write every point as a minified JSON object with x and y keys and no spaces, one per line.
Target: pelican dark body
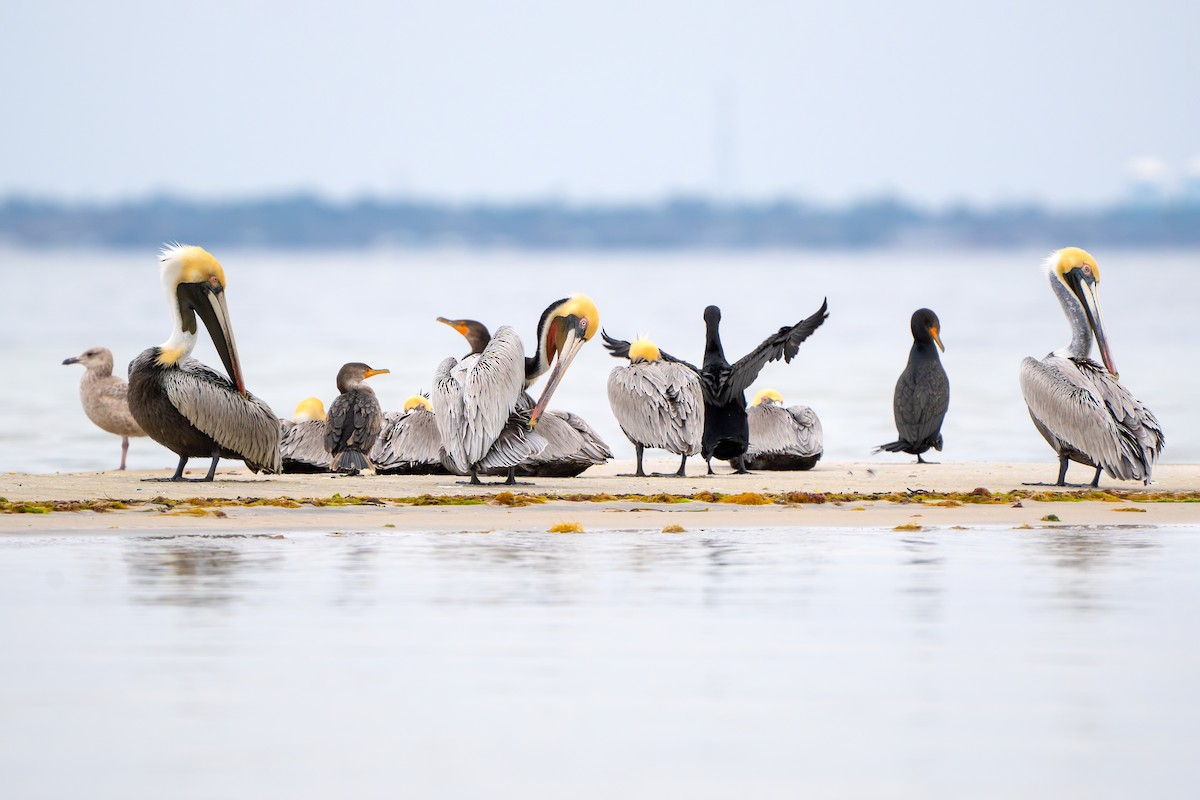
{"x":922,"y":391}
{"x":187,"y":407}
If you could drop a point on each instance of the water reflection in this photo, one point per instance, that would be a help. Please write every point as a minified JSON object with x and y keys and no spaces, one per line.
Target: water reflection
{"x":924,"y":578}
{"x":1085,"y":560}
{"x":194,"y":571}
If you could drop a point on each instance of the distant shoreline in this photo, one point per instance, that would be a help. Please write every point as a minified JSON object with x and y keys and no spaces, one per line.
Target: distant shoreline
{"x":303,"y":221}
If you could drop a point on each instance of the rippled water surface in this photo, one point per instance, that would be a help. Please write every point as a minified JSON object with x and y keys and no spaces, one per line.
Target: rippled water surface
{"x":783,"y":663}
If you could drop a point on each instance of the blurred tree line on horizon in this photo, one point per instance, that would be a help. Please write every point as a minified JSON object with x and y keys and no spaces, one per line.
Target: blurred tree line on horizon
{"x":685,"y":223}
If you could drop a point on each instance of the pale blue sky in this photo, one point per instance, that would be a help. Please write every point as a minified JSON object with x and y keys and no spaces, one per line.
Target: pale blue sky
{"x":609,"y":101}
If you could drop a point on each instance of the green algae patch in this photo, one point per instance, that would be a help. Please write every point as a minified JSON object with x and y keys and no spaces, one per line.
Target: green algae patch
{"x":1051,"y":518}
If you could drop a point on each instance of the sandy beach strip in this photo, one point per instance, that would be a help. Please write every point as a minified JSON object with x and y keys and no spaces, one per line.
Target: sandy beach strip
{"x":854,"y":495}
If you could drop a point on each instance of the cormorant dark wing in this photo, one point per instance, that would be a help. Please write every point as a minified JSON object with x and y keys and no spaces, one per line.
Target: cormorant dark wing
{"x":353,"y":422}
{"x":782,"y":344}
{"x":619,"y":348}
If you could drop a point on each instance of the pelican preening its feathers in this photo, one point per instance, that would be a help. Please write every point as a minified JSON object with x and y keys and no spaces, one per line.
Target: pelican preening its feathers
{"x":409,"y":443}
{"x":1078,"y":405}
{"x":782,"y":438}
{"x":483,"y":413}
{"x":922,"y":391}
{"x":185,"y":406}
{"x":302,"y":448}
{"x":658,"y":403}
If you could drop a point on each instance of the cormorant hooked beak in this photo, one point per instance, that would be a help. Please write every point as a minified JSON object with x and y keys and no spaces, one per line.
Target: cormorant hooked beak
{"x":207,"y":300}
{"x":937,"y":338}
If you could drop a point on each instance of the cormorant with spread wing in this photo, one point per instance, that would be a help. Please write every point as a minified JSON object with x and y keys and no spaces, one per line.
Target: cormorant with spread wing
{"x":726,"y":429}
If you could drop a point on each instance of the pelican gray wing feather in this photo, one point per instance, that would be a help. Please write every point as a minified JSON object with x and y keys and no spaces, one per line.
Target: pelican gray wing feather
{"x":474,"y":398}
{"x":658,"y":404}
{"x":569,"y":437}
{"x":243,"y":425}
{"x":304,"y":443}
{"x":775,"y":430}
{"x":408,"y":439}
{"x":1080,"y":403}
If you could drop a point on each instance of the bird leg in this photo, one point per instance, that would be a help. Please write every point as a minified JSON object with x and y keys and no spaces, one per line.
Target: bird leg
{"x":741,"y":466}
{"x":923,"y":461}
{"x":124,"y":450}
{"x":1062,"y":477}
{"x":512,"y":477}
{"x":639,"y":473}
{"x":212,"y":468}
{"x":708,"y":460}
{"x":678,"y":473}
{"x":178,"y":476}
{"x":474,"y":478}
{"x":1096,"y":480}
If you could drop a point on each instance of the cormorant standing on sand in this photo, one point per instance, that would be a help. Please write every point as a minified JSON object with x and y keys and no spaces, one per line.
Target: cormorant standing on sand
{"x":354,"y":420}
{"x":922,"y":392}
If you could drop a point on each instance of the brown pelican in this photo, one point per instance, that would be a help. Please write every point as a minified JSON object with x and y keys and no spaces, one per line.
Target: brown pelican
{"x":409,"y":443}
{"x":104,"y":396}
{"x":571,"y":444}
{"x":922,"y":391}
{"x":782,"y":438}
{"x":1077,"y":404}
{"x":302,"y":448}
{"x":480,"y":404}
{"x":726,"y":430}
{"x":658,"y":403}
{"x":187,"y":407}
{"x":354,"y":420}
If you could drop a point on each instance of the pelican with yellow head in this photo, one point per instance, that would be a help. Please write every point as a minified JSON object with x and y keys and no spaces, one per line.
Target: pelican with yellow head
{"x":486,"y":419}
{"x":1077,"y":404}
{"x":410,"y":443}
{"x":657,"y":401}
{"x":189,"y":408}
{"x":782,"y":437}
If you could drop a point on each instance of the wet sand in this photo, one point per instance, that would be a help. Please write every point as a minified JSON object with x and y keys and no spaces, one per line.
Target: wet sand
{"x":387,"y":507}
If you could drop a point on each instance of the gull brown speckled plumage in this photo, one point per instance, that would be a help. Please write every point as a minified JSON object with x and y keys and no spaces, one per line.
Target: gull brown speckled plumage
{"x":105,"y":397}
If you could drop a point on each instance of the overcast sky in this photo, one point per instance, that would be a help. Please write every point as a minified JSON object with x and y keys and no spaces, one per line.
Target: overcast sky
{"x":609,"y":101}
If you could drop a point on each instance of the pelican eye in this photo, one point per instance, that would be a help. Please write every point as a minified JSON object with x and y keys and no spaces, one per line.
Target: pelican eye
{"x":215,"y":283}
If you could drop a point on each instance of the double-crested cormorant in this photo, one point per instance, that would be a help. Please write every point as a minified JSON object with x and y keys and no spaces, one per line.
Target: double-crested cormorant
{"x":354,"y":420}
{"x":571,"y":444}
{"x":187,"y":407}
{"x":782,"y":438}
{"x":302,"y":448}
{"x":105,"y":396}
{"x":726,"y":429}
{"x":409,"y":443}
{"x":1077,"y":404}
{"x":480,"y":404}
{"x":922,"y":391}
{"x":658,"y":403}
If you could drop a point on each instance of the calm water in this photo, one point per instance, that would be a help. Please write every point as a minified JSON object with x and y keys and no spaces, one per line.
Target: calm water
{"x":986,"y":663}
{"x":300,"y":316}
